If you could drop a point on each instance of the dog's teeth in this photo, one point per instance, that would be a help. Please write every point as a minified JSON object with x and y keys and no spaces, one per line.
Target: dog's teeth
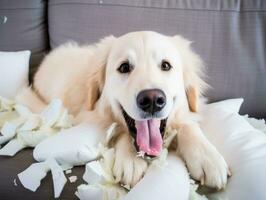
{"x":140,"y":154}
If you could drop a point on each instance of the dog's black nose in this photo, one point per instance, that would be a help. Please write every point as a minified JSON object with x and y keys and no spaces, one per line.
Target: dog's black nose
{"x":151,"y":101}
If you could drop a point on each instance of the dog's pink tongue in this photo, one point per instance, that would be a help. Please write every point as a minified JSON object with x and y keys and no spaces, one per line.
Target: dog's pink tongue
{"x":149,"y":138}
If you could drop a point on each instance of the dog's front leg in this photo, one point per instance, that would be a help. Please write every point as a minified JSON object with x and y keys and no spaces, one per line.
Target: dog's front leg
{"x":204,"y":162}
{"x":128,"y":168}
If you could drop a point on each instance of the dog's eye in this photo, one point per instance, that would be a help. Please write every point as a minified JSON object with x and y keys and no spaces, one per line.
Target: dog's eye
{"x":166,"y":66}
{"x":125,"y":68}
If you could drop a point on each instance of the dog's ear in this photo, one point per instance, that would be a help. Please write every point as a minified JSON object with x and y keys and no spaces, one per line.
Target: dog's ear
{"x":96,"y":74}
{"x":193,"y":72}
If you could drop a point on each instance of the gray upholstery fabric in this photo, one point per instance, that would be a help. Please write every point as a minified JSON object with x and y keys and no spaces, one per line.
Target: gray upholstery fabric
{"x":11,"y":166}
{"x":229,"y":35}
{"x":23,"y":26}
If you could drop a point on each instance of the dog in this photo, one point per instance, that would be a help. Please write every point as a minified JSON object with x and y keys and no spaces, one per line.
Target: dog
{"x":145,"y":82}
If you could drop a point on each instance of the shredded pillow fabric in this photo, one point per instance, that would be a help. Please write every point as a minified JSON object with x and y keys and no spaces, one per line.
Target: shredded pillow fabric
{"x":20,"y":128}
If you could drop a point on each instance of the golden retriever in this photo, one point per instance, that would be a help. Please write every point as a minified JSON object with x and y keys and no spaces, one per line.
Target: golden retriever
{"x":145,"y":82}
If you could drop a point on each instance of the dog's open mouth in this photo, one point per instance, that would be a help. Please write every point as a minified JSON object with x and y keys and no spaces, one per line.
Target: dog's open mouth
{"x":147,"y":134}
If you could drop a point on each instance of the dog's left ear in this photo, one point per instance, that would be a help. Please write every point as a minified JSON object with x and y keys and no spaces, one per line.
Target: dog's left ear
{"x":193,"y":72}
{"x":96,"y":75}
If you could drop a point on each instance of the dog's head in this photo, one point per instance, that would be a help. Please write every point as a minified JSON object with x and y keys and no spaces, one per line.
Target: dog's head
{"x":145,"y":77}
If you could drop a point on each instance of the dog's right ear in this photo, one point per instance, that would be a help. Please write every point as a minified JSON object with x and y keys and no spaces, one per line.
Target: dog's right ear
{"x":96,"y":75}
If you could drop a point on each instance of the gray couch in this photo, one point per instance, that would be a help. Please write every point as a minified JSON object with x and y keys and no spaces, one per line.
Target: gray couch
{"x":230,"y":35}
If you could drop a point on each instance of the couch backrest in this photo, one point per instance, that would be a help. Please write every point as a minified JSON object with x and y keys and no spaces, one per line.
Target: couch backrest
{"x":230,"y":35}
{"x":23,"y":26}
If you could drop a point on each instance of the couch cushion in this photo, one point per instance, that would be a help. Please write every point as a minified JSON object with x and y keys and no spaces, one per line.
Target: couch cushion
{"x":11,"y":166}
{"x":230,"y":35}
{"x":23,"y":27}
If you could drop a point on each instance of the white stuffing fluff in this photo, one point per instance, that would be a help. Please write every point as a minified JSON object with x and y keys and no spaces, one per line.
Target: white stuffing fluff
{"x":94,"y":173}
{"x":73,"y":179}
{"x":21,"y":128}
{"x":69,"y":171}
{"x":7,"y":111}
{"x":102,"y":183}
{"x":32,"y":176}
{"x":15,"y":182}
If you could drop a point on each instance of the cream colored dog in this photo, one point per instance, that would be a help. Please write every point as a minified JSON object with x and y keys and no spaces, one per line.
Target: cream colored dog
{"x":145,"y":82}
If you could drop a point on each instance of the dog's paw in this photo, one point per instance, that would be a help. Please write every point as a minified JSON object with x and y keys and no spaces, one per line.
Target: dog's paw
{"x":205,"y":163}
{"x":128,"y":168}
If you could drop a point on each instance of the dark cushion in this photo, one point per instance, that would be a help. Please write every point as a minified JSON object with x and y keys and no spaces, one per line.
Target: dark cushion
{"x":230,"y":35}
{"x":11,"y":166}
{"x":23,"y":26}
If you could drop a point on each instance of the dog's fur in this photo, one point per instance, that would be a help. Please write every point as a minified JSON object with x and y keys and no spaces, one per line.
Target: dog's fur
{"x":86,"y":79}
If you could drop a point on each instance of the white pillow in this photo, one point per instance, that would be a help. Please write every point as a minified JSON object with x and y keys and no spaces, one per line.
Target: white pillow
{"x":14,"y":69}
{"x":243,"y":147}
{"x":167,"y":182}
{"x":74,"y":146}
